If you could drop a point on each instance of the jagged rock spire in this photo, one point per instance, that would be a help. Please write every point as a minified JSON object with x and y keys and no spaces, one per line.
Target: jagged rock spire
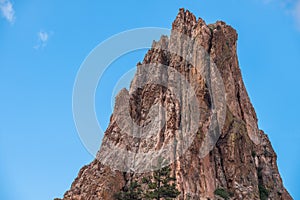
{"x":242,"y":164}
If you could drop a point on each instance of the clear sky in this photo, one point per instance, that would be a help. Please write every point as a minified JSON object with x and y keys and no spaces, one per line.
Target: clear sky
{"x":43,"y":43}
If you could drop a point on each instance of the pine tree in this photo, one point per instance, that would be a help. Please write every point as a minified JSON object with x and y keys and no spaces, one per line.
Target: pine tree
{"x":160,"y":185}
{"x":132,"y":192}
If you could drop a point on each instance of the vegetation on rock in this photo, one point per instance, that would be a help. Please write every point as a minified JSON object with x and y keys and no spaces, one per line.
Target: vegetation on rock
{"x":263,"y":192}
{"x":132,"y":192}
{"x":159,"y":186}
{"x":222,"y":193}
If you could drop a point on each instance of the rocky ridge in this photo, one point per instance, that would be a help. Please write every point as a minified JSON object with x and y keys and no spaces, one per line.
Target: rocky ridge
{"x":242,"y":162}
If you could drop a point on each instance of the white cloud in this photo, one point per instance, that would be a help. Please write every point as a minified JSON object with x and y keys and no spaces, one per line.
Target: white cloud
{"x":7,"y":10}
{"x":290,"y":7}
{"x":43,"y":38}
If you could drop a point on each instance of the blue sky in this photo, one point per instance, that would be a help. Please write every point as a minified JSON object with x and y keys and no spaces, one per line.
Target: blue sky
{"x":43,"y":43}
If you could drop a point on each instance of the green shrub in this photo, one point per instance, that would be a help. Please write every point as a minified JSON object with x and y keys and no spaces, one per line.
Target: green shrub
{"x":145,"y":180}
{"x":222,"y":193}
{"x":161,"y":185}
{"x":131,"y":192}
{"x":263,"y":192}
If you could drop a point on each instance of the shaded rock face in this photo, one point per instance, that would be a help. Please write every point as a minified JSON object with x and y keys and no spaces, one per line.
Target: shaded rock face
{"x":242,"y":161}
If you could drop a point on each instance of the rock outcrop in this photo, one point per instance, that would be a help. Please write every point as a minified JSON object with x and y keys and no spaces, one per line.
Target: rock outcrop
{"x":239,"y":161}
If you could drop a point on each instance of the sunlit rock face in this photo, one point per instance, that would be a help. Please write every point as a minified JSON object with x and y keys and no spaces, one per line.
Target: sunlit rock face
{"x":209,"y":137}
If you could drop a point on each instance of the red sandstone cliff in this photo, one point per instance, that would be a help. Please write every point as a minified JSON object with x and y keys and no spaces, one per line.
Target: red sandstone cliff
{"x":242,"y":162}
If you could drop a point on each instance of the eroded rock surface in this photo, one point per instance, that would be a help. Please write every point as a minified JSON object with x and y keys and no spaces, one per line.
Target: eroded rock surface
{"x":242,"y":161}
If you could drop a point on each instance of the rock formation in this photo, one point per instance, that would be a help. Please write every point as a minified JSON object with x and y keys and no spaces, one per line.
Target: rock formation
{"x":241,"y":163}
